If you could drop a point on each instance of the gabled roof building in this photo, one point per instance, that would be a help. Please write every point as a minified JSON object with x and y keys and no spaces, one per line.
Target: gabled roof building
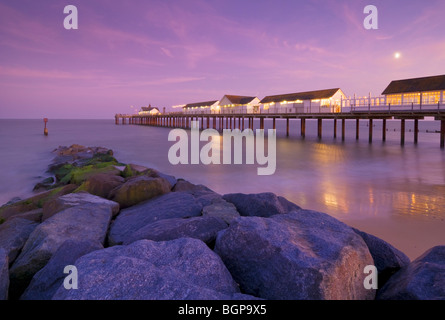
{"x":307,"y":101}
{"x":425,"y":90}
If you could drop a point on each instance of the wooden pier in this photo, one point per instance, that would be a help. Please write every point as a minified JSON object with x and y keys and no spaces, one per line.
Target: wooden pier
{"x":220,"y":121}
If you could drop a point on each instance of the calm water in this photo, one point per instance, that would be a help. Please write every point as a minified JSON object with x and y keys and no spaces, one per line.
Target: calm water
{"x":396,"y":193}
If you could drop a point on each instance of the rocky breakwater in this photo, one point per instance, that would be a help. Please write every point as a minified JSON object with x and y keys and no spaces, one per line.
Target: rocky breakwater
{"x":135,"y":233}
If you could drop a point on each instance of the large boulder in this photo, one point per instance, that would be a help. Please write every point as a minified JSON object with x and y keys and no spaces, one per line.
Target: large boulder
{"x":4,"y":274}
{"x":76,"y":199}
{"x":300,"y":255}
{"x":45,"y":283}
{"x":261,"y":204}
{"x":422,"y":279}
{"x":139,"y":189}
{"x":202,"y":194}
{"x":33,"y":215}
{"x":102,"y":184}
{"x":171,"y":179}
{"x":13,"y":236}
{"x":87,"y":222}
{"x":34,"y":203}
{"x":202,"y":228}
{"x":168,"y":206}
{"x":132,"y":170}
{"x":387,"y":259}
{"x":222,"y":209}
{"x":146,"y":270}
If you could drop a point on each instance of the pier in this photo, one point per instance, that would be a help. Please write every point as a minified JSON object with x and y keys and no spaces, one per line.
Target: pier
{"x":220,"y":121}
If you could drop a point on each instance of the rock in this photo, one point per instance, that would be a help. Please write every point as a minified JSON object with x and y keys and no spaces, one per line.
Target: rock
{"x":76,"y":199}
{"x":102,"y":184}
{"x":138,"y":190}
{"x":422,"y":279}
{"x":132,"y":170}
{"x":387,"y":259}
{"x":33,"y":215}
{"x":76,"y":150}
{"x":80,"y":175}
{"x":181,"y":269}
{"x":301,"y":255}
{"x":220,"y":208}
{"x":202,"y":228}
{"x":168,"y":206}
{"x":203,"y":194}
{"x":4,"y":275}
{"x":261,"y":204}
{"x":171,"y":179}
{"x":13,"y":236}
{"x":35,"y":202}
{"x":44,"y":184}
{"x":88,"y":222}
{"x":45,"y":283}
{"x":12,"y":201}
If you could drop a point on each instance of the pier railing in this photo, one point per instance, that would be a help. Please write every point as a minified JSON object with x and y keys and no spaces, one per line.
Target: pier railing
{"x":333,"y":109}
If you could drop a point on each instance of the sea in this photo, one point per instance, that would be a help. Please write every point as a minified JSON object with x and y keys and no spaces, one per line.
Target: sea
{"x":392,"y":191}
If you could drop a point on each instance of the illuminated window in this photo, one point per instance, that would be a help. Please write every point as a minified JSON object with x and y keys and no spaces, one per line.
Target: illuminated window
{"x":431,"y":97}
{"x":394,"y":99}
{"x":409,"y":98}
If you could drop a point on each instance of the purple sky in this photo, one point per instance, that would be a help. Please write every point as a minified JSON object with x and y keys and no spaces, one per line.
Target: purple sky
{"x":163,"y":53}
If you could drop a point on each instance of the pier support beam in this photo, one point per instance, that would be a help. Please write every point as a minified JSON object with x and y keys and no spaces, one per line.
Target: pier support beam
{"x":384,"y":130}
{"x":357,"y":129}
{"x":416,"y":130}
{"x":343,"y":125}
{"x":287,"y":127}
{"x":370,"y":130}
{"x":303,"y":127}
{"x":402,"y":132}
{"x":335,"y":128}
{"x":274,"y":123}
{"x":242,"y":121}
{"x":320,"y":126}
{"x":442,"y":133}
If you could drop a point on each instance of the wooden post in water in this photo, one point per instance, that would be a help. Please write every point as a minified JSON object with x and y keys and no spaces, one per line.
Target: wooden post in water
{"x":416,"y":130}
{"x":370,"y":130}
{"x":242,"y":121}
{"x":343,"y":125}
{"x":287,"y":127}
{"x":384,"y":130}
{"x":442,"y":133}
{"x":274,"y":127}
{"x":357,"y":129}
{"x":45,"y":130}
{"x":320,"y":125}
{"x":303,"y":127}
{"x":402,"y":132}
{"x":335,"y":128}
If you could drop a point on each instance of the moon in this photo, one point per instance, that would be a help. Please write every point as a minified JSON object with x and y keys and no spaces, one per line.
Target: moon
{"x":397,"y":55}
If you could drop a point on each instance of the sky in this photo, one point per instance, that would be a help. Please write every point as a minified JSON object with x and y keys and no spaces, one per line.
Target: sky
{"x":129,"y":54}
